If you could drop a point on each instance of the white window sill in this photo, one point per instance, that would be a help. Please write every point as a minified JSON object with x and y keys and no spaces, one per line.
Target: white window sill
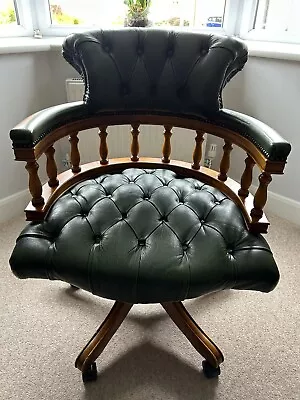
{"x":283,"y":51}
{"x":29,"y":45}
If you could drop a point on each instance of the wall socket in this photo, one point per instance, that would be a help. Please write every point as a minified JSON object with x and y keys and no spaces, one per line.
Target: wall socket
{"x":212,"y":151}
{"x":66,"y":162}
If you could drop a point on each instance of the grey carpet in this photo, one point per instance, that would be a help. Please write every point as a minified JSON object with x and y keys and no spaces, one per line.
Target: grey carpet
{"x":44,"y":325}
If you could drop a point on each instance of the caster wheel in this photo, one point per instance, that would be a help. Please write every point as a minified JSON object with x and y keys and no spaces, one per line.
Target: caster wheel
{"x":90,"y":374}
{"x":210,"y":371}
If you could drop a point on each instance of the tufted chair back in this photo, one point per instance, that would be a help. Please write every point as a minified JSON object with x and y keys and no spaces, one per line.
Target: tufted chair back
{"x":148,"y":69}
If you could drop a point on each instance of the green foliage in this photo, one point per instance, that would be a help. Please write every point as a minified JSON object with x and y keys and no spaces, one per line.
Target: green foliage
{"x":174,"y":21}
{"x":137,"y":7}
{"x":61,"y":18}
{"x":8,"y":16}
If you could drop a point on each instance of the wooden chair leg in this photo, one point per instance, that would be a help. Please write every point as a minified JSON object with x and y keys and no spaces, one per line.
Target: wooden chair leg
{"x":85,"y":362}
{"x":201,"y":342}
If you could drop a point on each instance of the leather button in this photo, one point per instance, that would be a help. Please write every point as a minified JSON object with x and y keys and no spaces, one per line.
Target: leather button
{"x":217,"y":203}
{"x":106,"y":48}
{"x":153,"y":89}
{"x":163,"y":219}
{"x":170,"y":52}
{"x":146,"y":198}
{"x":109,"y":195}
{"x":185,"y":246}
{"x":142,"y":242}
{"x":203,"y":52}
{"x":139,"y":51}
{"x":125,"y":90}
{"x":98,"y":238}
{"x":180,"y":92}
{"x":124,"y":215}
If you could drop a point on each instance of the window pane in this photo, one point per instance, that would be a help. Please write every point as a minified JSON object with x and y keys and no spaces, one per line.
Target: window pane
{"x":87,"y":12}
{"x":199,"y":13}
{"x":278,"y":15}
{"x":196,"y":13}
{"x":8,"y":14}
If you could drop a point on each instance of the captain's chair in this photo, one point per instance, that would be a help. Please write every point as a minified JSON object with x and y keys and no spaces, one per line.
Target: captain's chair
{"x":149,"y":230}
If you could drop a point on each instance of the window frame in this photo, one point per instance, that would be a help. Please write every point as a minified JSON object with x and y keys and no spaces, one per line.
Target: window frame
{"x":25,"y":26}
{"x":248,"y":32}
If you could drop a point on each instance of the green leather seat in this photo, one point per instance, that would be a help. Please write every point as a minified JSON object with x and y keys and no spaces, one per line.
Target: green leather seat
{"x":145,"y":236}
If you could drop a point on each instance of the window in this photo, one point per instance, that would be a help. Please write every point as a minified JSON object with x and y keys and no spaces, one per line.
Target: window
{"x":8,"y":13}
{"x":72,"y":12}
{"x":15,"y":18}
{"x":199,"y":14}
{"x":276,"y":20}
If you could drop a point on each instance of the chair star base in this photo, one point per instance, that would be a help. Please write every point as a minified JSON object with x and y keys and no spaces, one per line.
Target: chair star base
{"x":213,"y":356}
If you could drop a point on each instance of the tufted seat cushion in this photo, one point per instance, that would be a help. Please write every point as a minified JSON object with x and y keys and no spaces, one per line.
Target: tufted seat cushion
{"x":144,"y":236}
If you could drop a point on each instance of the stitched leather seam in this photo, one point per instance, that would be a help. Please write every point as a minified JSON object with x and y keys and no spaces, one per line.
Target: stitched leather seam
{"x":90,"y":268}
{"x":191,"y":70}
{"x":253,"y":248}
{"x":49,"y":263}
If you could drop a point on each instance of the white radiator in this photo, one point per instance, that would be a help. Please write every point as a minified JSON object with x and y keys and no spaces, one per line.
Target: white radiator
{"x":119,"y":137}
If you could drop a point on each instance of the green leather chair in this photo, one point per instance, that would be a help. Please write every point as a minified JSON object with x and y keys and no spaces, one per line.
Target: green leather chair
{"x":148,"y":230}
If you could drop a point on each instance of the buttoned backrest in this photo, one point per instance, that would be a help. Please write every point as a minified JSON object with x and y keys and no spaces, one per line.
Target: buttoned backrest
{"x":152,"y":70}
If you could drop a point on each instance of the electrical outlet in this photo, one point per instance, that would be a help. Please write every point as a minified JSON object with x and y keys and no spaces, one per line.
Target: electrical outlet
{"x":66,"y":161}
{"x":212,"y":151}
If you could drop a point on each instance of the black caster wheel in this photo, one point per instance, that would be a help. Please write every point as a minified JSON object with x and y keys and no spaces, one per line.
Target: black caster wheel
{"x":210,"y":371}
{"x":90,"y":374}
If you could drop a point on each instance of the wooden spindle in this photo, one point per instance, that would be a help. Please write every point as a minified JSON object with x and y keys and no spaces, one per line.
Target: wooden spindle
{"x":51,"y":167}
{"x":167,"y":144}
{"x":197,"y":155}
{"x":135,"y":147}
{"x":246,"y":178}
{"x":35,"y":186}
{"x":225,"y":162}
{"x":75,"y":156}
{"x":261,"y":195}
{"x":103,"y":150}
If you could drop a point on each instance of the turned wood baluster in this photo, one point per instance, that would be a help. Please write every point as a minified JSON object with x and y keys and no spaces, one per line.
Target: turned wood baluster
{"x":167,"y":144}
{"x":51,"y":167}
{"x":246,"y":178}
{"x":75,"y":156}
{"x":103,"y":145}
{"x":135,"y":147}
{"x":225,"y":162}
{"x":260,"y":197}
{"x":35,"y":186}
{"x":197,"y":155}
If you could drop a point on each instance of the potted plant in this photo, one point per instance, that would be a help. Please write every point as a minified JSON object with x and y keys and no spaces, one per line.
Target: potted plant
{"x":137,"y":12}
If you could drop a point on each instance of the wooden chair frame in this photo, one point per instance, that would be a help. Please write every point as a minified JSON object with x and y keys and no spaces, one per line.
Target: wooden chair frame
{"x":213,"y":356}
{"x":251,"y":207}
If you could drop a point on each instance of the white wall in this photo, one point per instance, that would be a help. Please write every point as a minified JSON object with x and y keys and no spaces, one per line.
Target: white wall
{"x":25,"y":85}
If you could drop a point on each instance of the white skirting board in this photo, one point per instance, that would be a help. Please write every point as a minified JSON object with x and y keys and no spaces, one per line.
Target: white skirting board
{"x":284,"y":207}
{"x":13,"y":205}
